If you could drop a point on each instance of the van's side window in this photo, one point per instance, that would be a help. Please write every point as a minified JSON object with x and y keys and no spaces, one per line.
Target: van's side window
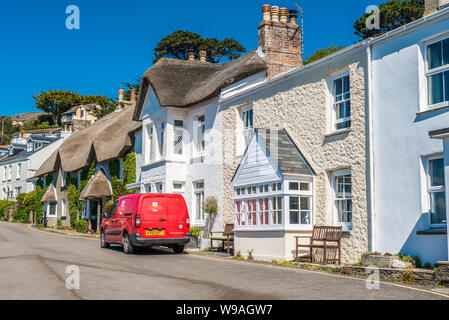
{"x":113,"y":209}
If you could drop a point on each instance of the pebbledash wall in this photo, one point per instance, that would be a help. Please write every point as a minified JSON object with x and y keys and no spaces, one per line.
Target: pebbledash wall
{"x":301,"y":103}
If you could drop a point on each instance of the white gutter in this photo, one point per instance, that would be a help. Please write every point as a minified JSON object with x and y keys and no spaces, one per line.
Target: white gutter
{"x":370,"y":136}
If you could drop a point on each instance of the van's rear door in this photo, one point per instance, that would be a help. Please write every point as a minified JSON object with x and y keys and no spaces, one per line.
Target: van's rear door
{"x":154,"y":216}
{"x":177,"y":216}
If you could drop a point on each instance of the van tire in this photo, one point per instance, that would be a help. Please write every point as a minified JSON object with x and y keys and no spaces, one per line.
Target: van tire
{"x":103,"y":242}
{"x":128,"y":247}
{"x":177,"y":248}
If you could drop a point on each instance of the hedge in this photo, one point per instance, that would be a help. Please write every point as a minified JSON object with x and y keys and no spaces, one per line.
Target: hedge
{"x":81,"y":226}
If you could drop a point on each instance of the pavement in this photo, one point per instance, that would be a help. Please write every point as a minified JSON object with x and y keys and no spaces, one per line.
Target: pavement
{"x":33,"y":265}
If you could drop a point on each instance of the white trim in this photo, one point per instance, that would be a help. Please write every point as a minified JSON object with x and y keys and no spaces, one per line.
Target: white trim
{"x":428,"y":189}
{"x":334,"y":174}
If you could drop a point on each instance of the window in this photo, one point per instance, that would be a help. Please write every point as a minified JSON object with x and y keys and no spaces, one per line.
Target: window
{"x":9,"y":172}
{"x":343,"y":198}
{"x":200,"y":130}
{"x":300,"y":210}
{"x":436,"y":191}
{"x":150,"y":149}
{"x":51,"y":209}
{"x":341,"y":103}
{"x":240,"y":213}
{"x":252,"y":212}
{"x":199,"y":199}
{"x":19,"y":171}
{"x":437,"y":72}
{"x":178,"y":137}
{"x":162,"y":136}
{"x":18,"y":190}
{"x":64,"y":208}
{"x":293,"y":186}
{"x":30,"y":146}
{"x":247,"y":121}
{"x":276,"y":187}
{"x":5,"y":172}
{"x":276,"y":213}
{"x":264,"y":211}
{"x":178,"y":187}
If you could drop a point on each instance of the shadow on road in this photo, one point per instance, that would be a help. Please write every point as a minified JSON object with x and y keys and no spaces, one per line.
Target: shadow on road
{"x":153,"y":251}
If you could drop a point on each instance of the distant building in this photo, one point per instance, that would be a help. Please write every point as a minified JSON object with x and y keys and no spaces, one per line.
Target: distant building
{"x":78,"y":117}
{"x":23,"y":159}
{"x":19,"y":119}
{"x":21,"y":137}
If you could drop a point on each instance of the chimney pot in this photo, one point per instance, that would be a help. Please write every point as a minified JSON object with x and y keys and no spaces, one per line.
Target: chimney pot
{"x":266,"y":11}
{"x":203,"y":54}
{"x":133,"y":95}
{"x":191,"y":55}
{"x":275,"y":14}
{"x":293,"y":16}
{"x":121,"y":94}
{"x":284,"y":15}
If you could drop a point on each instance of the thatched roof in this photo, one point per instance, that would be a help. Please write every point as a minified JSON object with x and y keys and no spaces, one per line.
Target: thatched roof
{"x":98,"y":187}
{"x":50,"y":194}
{"x":180,"y":83}
{"x":109,"y":138}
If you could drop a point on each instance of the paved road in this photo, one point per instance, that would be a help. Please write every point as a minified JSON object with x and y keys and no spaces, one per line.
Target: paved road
{"x":33,"y":265}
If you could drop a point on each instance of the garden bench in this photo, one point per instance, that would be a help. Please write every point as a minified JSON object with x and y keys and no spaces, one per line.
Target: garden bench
{"x":227,"y":236}
{"x":323,"y":237}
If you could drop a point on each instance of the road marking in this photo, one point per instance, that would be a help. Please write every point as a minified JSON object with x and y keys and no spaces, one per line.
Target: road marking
{"x":299,"y":269}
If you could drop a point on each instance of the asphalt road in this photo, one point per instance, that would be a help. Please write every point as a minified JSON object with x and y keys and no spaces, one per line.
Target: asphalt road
{"x":33,"y":266}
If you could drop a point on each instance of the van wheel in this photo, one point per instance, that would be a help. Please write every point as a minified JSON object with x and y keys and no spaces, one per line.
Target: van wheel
{"x":128,"y":247}
{"x":177,"y":248}
{"x":103,"y":242}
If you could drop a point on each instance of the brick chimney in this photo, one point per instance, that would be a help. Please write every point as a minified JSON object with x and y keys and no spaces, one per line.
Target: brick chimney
{"x":432,"y":6}
{"x":280,"y":39}
{"x":121,"y":94}
{"x":203,"y":55}
{"x":133,"y":96}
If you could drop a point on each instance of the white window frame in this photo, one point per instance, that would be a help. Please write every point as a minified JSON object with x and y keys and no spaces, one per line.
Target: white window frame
{"x":5,"y":173}
{"x":48,"y":215}
{"x":334,"y":121}
{"x":181,"y":190}
{"x":64,"y":208}
{"x":178,"y":131}
{"x":347,"y":226}
{"x":200,"y":140}
{"x":198,"y":191}
{"x":428,"y":73}
{"x":19,"y":171}
{"x":9,"y":172}
{"x":430,"y":190}
{"x":161,"y":137}
{"x":150,"y":143}
{"x":247,"y":132}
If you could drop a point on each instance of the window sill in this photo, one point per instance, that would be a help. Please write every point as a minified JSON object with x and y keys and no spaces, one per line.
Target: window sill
{"x":337,"y":132}
{"x":434,"y":108}
{"x":432,"y":231}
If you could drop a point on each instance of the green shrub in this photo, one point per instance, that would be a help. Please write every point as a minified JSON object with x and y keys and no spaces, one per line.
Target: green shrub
{"x":81,"y":226}
{"x":20,"y":216}
{"x":58,"y":223}
{"x":196,"y":232}
{"x":4,"y":206}
{"x":129,"y":168}
{"x":29,"y":202}
{"x":427,"y":265}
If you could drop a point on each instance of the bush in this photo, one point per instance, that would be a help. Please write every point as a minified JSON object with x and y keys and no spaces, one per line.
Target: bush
{"x":20,"y":216}
{"x":196,"y":232}
{"x":81,"y":226}
{"x":4,"y":206}
{"x":58,"y":223}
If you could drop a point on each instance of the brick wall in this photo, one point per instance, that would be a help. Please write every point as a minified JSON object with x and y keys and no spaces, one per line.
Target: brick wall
{"x":281,"y":42}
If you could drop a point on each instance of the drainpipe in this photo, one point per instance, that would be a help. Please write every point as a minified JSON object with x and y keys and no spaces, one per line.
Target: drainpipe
{"x":370,"y":136}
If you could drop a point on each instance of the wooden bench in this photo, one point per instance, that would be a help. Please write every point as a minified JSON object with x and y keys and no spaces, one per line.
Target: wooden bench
{"x":323,"y":237}
{"x":227,"y":236}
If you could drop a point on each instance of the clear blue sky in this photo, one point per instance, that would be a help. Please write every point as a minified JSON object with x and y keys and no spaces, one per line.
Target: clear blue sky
{"x":116,"y":40}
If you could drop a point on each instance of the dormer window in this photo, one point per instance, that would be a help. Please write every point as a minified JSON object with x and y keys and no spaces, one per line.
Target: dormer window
{"x":29,"y":146}
{"x":11,"y":151}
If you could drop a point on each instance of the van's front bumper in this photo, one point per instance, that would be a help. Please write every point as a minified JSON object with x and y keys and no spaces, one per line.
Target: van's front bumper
{"x":138,"y":241}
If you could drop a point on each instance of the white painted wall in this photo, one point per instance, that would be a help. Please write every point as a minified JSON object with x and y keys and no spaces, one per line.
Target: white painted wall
{"x":401,"y":141}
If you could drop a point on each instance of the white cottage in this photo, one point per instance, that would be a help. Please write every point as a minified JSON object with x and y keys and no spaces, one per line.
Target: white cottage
{"x":410,"y":97}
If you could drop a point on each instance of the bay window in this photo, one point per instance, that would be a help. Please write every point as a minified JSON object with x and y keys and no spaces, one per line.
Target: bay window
{"x":437,"y":72}
{"x":276,"y":214}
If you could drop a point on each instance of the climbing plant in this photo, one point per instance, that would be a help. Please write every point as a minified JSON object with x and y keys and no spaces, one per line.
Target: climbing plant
{"x":40,"y":183}
{"x":73,"y":195}
{"x":129,"y":168}
{"x":48,"y":180}
{"x":114,"y":168}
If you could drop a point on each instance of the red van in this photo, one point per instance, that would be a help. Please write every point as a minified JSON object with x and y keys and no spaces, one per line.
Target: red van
{"x":145,"y":220}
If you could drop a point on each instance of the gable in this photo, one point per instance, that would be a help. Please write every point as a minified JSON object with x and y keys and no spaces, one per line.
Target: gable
{"x":151,"y":104}
{"x":256,"y":166}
